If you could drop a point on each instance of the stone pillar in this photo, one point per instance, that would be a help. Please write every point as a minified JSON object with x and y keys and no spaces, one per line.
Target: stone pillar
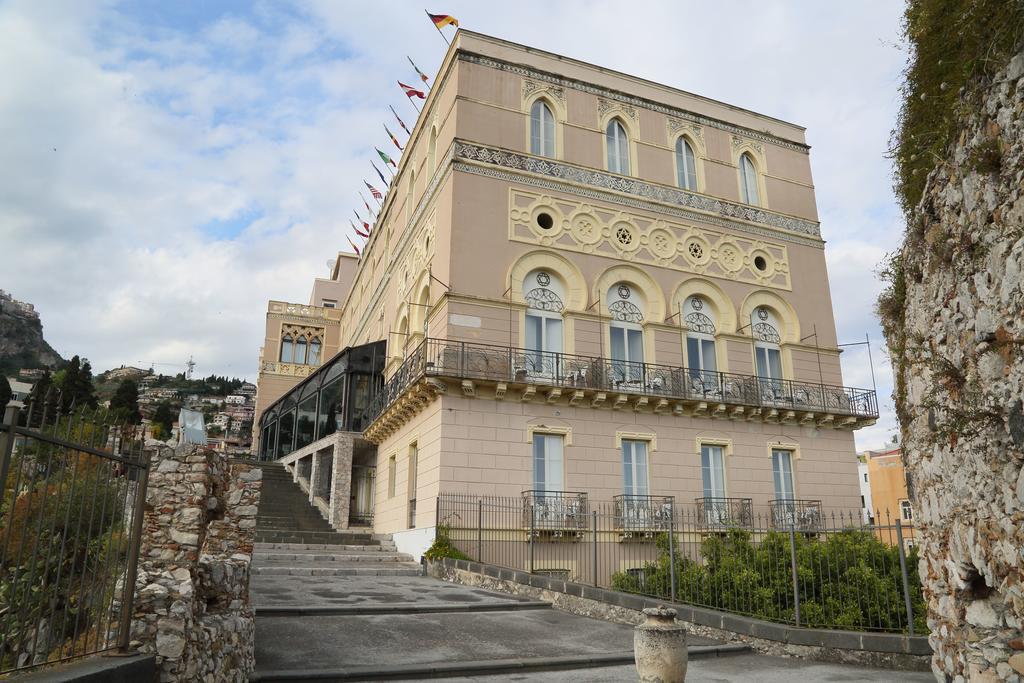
{"x":314,"y":473}
{"x":192,"y":593}
{"x":341,"y":479}
{"x":954,"y":322}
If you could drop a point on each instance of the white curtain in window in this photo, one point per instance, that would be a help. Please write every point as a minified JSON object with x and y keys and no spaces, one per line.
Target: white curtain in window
{"x":618,"y":148}
{"x":748,"y":180}
{"x":686,"y":165}
{"x":712,"y":469}
{"x":300,"y":351}
{"x":782,"y":469}
{"x":286,"y":349}
{"x":542,"y":130}
{"x":548,"y":468}
{"x":634,"y":467}
{"x":627,"y":351}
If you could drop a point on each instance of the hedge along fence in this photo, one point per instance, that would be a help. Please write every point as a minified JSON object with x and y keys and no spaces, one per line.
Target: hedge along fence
{"x":793,"y":565}
{"x":850,"y":581}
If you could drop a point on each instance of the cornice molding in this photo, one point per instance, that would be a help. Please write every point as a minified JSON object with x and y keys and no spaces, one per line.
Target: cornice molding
{"x":625,"y":99}
{"x":563,"y":177}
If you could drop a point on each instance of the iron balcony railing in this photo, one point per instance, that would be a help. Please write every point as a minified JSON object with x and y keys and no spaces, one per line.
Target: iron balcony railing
{"x":802,"y":515}
{"x":555,"y":510}
{"x":488,"y":362}
{"x":725,"y":513}
{"x":642,"y":513}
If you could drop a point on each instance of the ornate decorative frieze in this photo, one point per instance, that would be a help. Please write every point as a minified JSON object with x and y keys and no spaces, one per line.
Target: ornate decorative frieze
{"x":606,"y":231}
{"x":701,"y":207}
{"x":555,"y":79}
{"x":676,"y":126}
{"x":738,"y":142}
{"x":605,"y":106}
{"x":289,"y":369}
{"x":555,"y":92}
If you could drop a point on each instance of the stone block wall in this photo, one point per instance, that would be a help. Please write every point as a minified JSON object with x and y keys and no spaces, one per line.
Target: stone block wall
{"x":955,"y":326}
{"x":192,"y":593}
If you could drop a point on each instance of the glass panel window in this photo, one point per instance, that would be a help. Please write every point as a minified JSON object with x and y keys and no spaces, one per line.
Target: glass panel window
{"x":542,"y":130}
{"x":634,"y":467}
{"x":782,"y":470}
{"x":286,"y":349}
{"x":300,"y":351}
{"x":906,"y":511}
{"x":686,"y":165}
{"x":544,"y":337}
{"x":330,"y":409}
{"x":627,"y":353}
{"x":285,"y":432}
{"x":314,"y":352}
{"x":618,"y":148}
{"x":748,"y":181}
{"x":548,"y":467}
{"x":306,"y":422}
{"x":712,"y":469}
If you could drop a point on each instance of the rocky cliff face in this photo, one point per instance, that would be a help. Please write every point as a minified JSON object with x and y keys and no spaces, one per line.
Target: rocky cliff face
{"x":955,"y":326}
{"x":22,"y":344}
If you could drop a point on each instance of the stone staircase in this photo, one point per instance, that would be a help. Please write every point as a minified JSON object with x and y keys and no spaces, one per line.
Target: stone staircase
{"x":293,"y":538}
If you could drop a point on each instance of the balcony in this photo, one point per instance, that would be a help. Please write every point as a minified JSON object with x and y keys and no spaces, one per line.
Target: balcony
{"x":801,"y":515}
{"x":720,"y":514}
{"x":603,"y":382}
{"x":642,"y":513}
{"x":557,"y":511}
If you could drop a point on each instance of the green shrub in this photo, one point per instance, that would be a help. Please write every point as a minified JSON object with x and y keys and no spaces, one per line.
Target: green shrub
{"x":443,"y":547}
{"x":850,"y":581}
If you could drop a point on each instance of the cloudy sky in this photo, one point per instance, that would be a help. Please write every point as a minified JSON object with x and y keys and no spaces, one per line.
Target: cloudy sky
{"x":168,"y":167}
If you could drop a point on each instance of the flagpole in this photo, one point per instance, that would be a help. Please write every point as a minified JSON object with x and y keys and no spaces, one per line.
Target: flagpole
{"x":414,"y":106}
{"x":449,"y":43}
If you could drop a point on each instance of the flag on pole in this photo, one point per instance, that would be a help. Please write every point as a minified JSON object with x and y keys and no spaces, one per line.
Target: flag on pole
{"x":358,"y":231}
{"x":412,"y":92}
{"x":393,"y":138}
{"x":385,"y":158}
{"x":400,"y":122}
{"x":368,"y":209}
{"x":374,"y":191}
{"x":353,"y":244}
{"x":382,"y":178}
{"x":442,"y":20}
{"x":423,"y":76}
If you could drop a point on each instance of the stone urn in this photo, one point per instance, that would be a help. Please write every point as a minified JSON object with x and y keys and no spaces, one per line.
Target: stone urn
{"x":659,"y":646}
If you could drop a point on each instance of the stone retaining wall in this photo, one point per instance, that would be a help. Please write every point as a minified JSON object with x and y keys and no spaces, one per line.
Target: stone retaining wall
{"x":954,"y":320}
{"x":192,"y":605}
{"x":885,"y":650}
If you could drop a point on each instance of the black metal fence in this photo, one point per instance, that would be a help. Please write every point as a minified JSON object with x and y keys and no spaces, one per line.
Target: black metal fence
{"x":475,"y":360}
{"x":73,"y":488}
{"x":791,"y":563}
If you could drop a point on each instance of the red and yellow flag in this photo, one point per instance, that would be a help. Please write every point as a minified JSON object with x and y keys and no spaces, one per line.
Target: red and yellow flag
{"x":442,"y":20}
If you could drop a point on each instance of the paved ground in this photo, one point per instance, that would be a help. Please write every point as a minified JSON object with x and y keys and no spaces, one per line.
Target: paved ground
{"x":749,"y":668}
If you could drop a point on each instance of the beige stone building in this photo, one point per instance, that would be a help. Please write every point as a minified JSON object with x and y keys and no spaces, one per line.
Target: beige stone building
{"x":584,"y":282}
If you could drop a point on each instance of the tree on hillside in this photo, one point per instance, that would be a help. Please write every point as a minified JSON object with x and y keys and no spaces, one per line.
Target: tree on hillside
{"x":5,"y":393}
{"x":43,"y":400}
{"x":164,"y":419}
{"x":75,"y":384}
{"x":125,"y":403}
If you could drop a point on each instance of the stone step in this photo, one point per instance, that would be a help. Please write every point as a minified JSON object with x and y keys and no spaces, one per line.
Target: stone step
{"x":311,"y":537}
{"x":332,"y":570}
{"x":269,"y":558}
{"x":350,"y":547}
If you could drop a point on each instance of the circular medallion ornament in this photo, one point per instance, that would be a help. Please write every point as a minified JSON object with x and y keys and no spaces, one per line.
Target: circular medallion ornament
{"x":543,"y":279}
{"x":696,"y":303}
{"x":623,"y":292}
{"x":762,"y":313}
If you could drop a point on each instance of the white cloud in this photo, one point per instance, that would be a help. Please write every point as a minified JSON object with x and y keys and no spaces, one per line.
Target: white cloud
{"x":125,"y":135}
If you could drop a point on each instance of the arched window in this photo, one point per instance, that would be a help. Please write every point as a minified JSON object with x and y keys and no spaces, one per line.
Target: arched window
{"x":626,"y":308}
{"x":300,"y":351}
{"x":544,"y":294}
{"x":748,"y":180}
{"x":432,"y":152}
{"x":764,"y":327}
{"x":542,"y":130}
{"x":286,"y":349}
{"x":314,"y":351}
{"x":686,"y":165}
{"x":701,"y":328}
{"x":618,"y":147}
